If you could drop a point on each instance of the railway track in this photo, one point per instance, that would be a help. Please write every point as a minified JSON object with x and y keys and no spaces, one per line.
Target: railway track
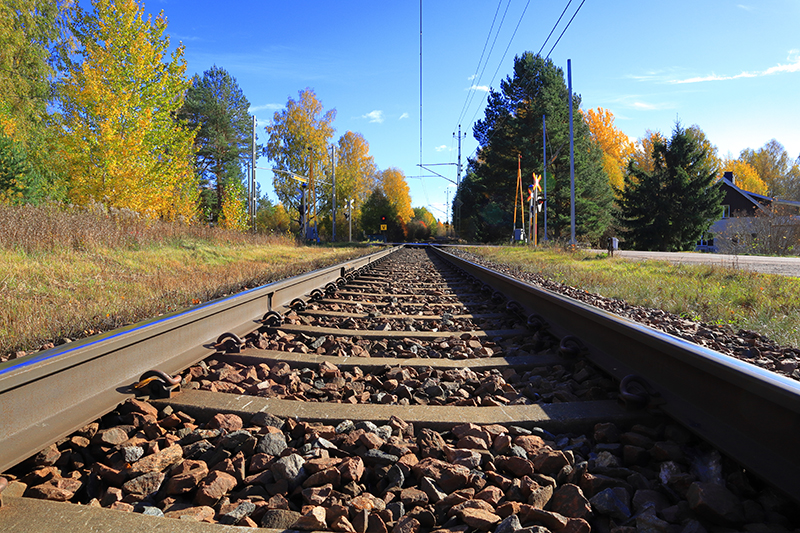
{"x":407,"y":391}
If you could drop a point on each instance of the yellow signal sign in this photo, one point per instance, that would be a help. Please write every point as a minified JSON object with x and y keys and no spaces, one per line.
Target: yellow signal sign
{"x":537,"y":182}
{"x":383,"y":227}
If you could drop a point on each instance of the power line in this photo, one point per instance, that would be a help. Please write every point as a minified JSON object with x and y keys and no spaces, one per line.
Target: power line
{"x":476,"y":77}
{"x":554,"y":28}
{"x":527,"y":84}
{"x":565,"y":28}
{"x":500,"y":64}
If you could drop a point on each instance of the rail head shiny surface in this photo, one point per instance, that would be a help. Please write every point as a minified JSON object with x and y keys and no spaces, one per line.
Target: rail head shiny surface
{"x":47,"y":395}
{"x":749,"y":413}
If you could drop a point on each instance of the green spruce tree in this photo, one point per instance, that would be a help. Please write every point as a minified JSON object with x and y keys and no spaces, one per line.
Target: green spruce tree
{"x":669,"y":208}
{"x":512,"y":126}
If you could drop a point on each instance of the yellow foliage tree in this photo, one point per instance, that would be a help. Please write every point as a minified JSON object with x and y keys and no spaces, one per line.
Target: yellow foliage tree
{"x":643,"y":150}
{"x":393,"y":182}
{"x":233,"y":214}
{"x":745,"y":175}
{"x":355,"y":174}
{"x":122,"y":145}
{"x":617,"y":148}
{"x":298,"y":137}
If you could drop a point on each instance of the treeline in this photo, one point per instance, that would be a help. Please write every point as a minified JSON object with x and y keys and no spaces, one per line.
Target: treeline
{"x":96,"y":110}
{"x":659,"y":192}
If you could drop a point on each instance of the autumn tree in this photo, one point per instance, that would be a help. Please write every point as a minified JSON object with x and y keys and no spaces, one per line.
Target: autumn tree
{"x":378,"y":210}
{"x":669,"y":208}
{"x":218,"y":110}
{"x":776,"y":168}
{"x":643,"y":150}
{"x":745,"y":176}
{"x":272,"y":218}
{"x":298,"y":139}
{"x":616,"y":146}
{"x":122,"y":145}
{"x":355,"y":176}
{"x":422,"y":226}
{"x":33,"y":38}
{"x":393,"y":183}
{"x":512,"y":127}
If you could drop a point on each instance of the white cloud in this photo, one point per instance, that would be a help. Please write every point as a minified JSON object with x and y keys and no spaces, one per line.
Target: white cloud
{"x":265,"y":107}
{"x":472,"y":77}
{"x":745,"y":7}
{"x":792,"y":66}
{"x":484,"y":88}
{"x":404,"y":115}
{"x":374,"y":116}
{"x":441,"y":148}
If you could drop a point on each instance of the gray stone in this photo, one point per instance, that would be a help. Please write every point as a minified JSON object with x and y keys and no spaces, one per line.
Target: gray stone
{"x":279,"y":519}
{"x":131,"y":454}
{"x":272,"y":444}
{"x":289,"y":468}
{"x":613,"y":502}
{"x":266,"y":419}
{"x":510,"y":524}
{"x":245,"y":508}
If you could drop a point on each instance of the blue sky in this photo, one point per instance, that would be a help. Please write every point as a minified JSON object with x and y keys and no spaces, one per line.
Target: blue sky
{"x":732,"y":68}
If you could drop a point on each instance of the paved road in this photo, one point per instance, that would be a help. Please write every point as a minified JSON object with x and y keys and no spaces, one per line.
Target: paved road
{"x":784,"y":266}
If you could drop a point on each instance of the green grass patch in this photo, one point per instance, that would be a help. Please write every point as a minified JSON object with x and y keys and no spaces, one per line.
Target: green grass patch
{"x":765,"y":303}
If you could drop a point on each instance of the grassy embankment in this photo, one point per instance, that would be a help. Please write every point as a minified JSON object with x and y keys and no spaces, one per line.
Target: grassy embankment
{"x":767,"y":304}
{"x":70,"y":274}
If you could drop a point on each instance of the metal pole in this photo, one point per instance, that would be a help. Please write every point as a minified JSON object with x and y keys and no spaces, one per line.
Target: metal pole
{"x":350,"y":217}
{"x":457,"y":210}
{"x":571,"y":160}
{"x":333,"y":178}
{"x":544,"y":176}
{"x":252,"y":187}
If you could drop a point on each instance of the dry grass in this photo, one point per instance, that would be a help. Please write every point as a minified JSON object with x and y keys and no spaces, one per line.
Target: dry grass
{"x":767,"y":304}
{"x":70,"y":273}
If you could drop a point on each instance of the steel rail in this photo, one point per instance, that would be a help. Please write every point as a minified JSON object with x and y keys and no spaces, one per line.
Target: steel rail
{"x":47,"y":395}
{"x":749,"y":413}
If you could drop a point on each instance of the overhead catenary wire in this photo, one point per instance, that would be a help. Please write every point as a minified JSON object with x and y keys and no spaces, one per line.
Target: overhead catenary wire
{"x":500,"y":64}
{"x":477,"y":78}
{"x":527,"y":85}
{"x":565,"y":28}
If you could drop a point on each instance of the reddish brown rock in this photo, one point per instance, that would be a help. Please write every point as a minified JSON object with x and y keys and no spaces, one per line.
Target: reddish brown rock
{"x":158,"y":461}
{"x":199,"y":514}
{"x":550,"y":462}
{"x":110,"y":437}
{"x":342,"y":524}
{"x":186,"y":477}
{"x":456,"y":510}
{"x":317,"y":495}
{"x":47,"y":457}
{"x":49,"y":492}
{"x":447,"y":476}
{"x":491,"y":495}
{"x":375,"y":524}
{"x":569,"y":501}
{"x":215,"y":485}
{"x":715,"y":503}
{"x":576,"y":525}
{"x":412,"y":497}
{"x":549,"y":519}
{"x":407,"y":525}
{"x":228,"y":422}
{"x":351,"y":469}
{"x":480,"y":519}
{"x":530,"y":443}
{"x":122,"y":506}
{"x":145,"y":484}
{"x":515,"y":465}
{"x":314,"y":520}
